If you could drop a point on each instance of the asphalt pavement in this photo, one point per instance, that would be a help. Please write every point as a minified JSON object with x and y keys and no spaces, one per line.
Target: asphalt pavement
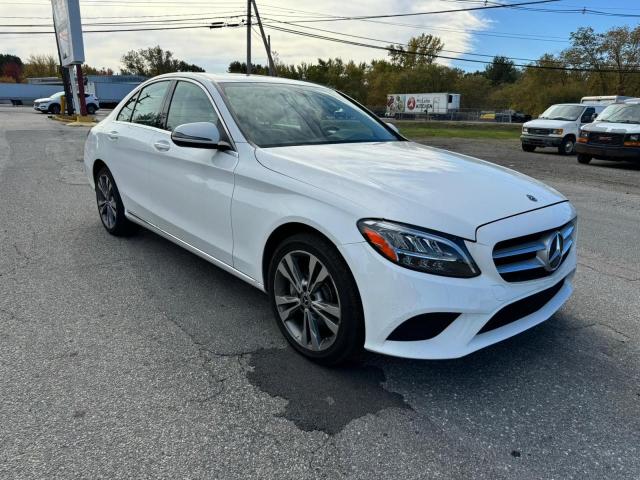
{"x":132,"y":358}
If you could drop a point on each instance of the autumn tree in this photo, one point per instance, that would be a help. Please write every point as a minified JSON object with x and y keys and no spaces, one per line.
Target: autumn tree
{"x":41,"y":66}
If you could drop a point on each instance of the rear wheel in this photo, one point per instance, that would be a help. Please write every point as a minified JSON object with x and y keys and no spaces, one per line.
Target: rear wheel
{"x":567,"y":147}
{"x":110,"y":206}
{"x":582,"y":158}
{"x":315,"y":300}
{"x":55,"y":109}
{"x":528,"y":148}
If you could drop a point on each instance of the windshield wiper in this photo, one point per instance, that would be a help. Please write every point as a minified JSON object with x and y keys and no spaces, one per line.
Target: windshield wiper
{"x":562,"y":118}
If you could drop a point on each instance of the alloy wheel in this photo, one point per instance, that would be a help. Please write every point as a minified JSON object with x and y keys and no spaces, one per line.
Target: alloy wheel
{"x":307,"y":300}
{"x":107,"y":204}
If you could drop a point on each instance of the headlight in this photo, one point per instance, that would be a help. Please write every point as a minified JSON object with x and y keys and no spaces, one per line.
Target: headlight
{"x":632,"y":140}
{"x":525,"y":130}
{"x":558,"y":131}
{"x":417,"y":249}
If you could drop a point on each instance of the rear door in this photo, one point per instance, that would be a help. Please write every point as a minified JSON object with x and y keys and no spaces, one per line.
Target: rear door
{"x":193,"y":186}
{"x":137,"y":141}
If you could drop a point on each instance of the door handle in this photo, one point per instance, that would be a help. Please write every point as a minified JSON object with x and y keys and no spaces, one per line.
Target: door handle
{"x":162,"y":145}
{"x":113,"y":135}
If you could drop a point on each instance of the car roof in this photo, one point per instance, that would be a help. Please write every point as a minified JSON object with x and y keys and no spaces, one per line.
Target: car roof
{"x":237,"y":78}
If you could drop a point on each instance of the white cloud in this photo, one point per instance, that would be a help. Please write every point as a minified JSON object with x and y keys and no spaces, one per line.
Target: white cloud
{"x":214,"y":49}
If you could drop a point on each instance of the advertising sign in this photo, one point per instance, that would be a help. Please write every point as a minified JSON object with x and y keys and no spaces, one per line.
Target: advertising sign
{"x":66,"y":19}
{"x":419,"y":103}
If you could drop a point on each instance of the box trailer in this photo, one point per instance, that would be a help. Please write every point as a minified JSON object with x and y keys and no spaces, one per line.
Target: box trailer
{"x":443,"y":103}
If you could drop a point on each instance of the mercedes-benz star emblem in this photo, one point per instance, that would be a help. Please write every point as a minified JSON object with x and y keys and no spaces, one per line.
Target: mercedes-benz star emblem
{"x":532,"y":198}
{"x":552,"y":255}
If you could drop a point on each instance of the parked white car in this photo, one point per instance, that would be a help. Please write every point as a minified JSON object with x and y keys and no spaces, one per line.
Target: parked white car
{"x":53,"y":104}
{"x":614,"y":136}
{"x":558,"y":126}
{"x":360,"y":237}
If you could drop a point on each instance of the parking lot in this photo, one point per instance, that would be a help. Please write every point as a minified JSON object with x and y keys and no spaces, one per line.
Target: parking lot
{"x":132,"y":358}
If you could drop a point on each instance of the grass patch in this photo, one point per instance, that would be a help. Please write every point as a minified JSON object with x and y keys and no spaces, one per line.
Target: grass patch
{"x":499,"y":131}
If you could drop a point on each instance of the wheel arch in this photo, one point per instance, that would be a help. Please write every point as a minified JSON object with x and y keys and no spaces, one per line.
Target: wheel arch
{"x":281,"y":233}
{"x":98,"y":164}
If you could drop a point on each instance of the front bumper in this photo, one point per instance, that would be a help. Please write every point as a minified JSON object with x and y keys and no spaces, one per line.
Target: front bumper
{"x":41,"y":107}
{"x":540,"y":140}
{"x":392,"y":294}
{"x":608,"y":153}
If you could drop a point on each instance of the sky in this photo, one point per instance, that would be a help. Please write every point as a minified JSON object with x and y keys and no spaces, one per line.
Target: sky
{"x":510,"y":32}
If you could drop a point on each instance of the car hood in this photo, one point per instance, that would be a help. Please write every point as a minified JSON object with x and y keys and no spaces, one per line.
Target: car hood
{"x":611,"y":127}
{"x":411,"y":183}
{"x":42,"y":99}
{"x":542,"y":123}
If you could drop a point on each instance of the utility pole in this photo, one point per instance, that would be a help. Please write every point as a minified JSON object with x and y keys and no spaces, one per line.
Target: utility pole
{"x":267,"y":43}
{"x":248,"y":37}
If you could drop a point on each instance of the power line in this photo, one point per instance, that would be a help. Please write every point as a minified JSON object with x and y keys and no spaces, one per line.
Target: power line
{"x":404,"y":52}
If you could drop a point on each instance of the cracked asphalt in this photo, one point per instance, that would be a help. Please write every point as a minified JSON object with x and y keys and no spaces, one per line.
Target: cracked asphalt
{"x":131,"y":358}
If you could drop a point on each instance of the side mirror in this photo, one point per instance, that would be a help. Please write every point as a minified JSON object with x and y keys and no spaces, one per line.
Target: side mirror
{"x":594,"y":116}
{"x":198,"y":135}
{"x":392,"y":127}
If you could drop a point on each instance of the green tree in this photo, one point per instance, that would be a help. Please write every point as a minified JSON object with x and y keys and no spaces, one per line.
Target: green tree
{"x":501,"y":70}
{"x":420,"y":50}
{"x":153,"y":61}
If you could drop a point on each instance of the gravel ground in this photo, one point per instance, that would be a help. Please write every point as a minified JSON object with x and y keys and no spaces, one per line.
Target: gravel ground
{"x":131,"y":358}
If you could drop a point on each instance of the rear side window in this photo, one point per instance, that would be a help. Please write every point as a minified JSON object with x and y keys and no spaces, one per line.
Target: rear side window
{"x":125,"y":114}
{"x":148,"y":109}
{"x":190,"y":104}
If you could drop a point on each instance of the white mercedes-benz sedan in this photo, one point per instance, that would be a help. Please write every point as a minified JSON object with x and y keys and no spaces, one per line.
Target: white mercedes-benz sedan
{"x":361,"y":238}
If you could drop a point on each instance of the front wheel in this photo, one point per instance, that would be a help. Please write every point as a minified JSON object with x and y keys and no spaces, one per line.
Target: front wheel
{"x":567,"y":146}
{"x":110,"y":206}
{"x":91,"y":109}
{"x":528,"y":148}
{"x":584,"y":159}
{"x":55,"y":109}
{"x":315,"y":300}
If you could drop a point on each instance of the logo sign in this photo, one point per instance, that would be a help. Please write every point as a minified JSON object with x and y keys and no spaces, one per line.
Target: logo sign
{"x":68,"y":26}
{"x":532,"y":198}
{"x":551,"y":256}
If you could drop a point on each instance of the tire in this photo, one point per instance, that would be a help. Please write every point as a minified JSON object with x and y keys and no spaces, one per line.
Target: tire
{"x":55,"y":109}
{"x":91,"y":109}
{"x":339,"y":324}
{"x":568,"y":145}
{"x":110,"y":206}
{"x":528,"y":148}
{"x":583,"y":158}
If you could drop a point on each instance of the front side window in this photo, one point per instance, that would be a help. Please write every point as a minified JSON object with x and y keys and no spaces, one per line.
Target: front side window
{"x":562,"y":112}
{"x":190,"y":104}
{"x":148,"y":108}
{"x":276,"y":115}
{"x":587,"y":116}
{"x":125,"y":113}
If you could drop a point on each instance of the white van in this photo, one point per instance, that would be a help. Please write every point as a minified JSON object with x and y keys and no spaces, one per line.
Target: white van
{"x":558,"y":126}
{"x":615,"y":136}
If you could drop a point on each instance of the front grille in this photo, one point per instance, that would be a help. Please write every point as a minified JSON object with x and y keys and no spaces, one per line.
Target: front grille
{"x":527,"y":258}
{"x":522,"y":308}
{"x":539,"y":131}
{"x":610,"y":139}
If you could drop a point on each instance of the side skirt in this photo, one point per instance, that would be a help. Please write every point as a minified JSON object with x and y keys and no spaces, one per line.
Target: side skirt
{"x":227,"y":268}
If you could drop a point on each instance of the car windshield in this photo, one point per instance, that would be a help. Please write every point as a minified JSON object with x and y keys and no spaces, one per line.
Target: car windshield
{"x":562,"y":112}
{"x":621,"y":113}
{"x":277,"y":115}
